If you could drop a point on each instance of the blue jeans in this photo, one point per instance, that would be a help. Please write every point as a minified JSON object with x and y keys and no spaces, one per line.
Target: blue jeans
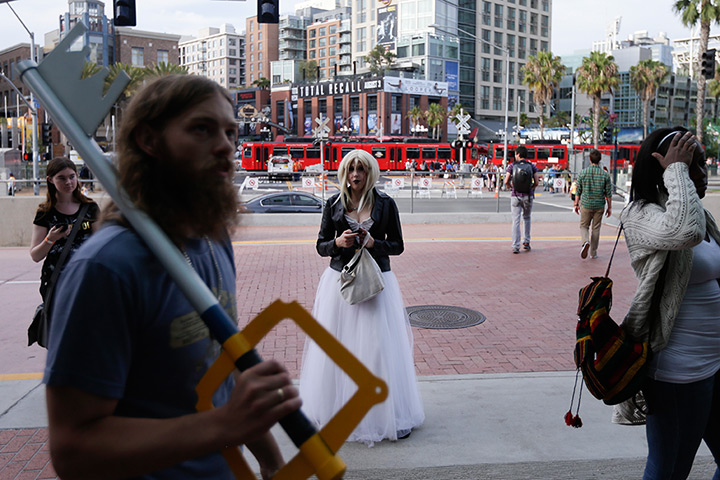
{"x":681,"y":415}
{"x":520,"y":207}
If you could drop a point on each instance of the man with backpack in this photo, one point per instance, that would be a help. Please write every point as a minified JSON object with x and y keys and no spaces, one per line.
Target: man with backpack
{"x":594,"y":189}
{"x":524,"y":177}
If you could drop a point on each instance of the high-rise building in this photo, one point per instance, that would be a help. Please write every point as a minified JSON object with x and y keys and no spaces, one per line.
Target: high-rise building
{"x":261,"y":48}
{"x":100,"y":35}
{"x":216,"y":53}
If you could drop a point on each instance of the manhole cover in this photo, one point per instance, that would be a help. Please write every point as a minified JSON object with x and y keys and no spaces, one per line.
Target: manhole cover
{"x":443,"y":316}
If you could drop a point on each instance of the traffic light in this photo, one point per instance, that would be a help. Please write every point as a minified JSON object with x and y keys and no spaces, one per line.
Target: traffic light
{"x":46,"y":133}
{"x":708,"y":64}
{"x":26,"y":157}
{"x":124,"y":13}
{"x":268,"y":11}
{"x":608,"y":135}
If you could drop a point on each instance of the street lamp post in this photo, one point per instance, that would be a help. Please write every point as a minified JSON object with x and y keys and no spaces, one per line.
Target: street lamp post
{"x":506,"y":82}
{"x":36,"y":184}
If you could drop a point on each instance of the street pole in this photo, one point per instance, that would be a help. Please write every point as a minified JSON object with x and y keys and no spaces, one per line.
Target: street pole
{"x":33,"y":110}
{"x":572,"y":123}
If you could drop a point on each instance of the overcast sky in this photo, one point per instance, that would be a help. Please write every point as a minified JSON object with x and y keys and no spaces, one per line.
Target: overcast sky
{"x":575,"y":23}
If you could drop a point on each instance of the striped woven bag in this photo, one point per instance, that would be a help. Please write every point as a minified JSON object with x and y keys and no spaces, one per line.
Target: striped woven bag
{"x":612,"y":365}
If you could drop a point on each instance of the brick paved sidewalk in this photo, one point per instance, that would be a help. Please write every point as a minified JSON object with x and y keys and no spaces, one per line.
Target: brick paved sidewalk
{"x":529,"y":301}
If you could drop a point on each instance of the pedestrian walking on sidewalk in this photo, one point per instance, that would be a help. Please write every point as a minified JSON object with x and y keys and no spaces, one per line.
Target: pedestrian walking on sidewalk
{"x":127,"y":349}
{"x":593,"y":192}
{"x":674,"y":247}
{"x":524,"y":177}
{"x":376,"y":331}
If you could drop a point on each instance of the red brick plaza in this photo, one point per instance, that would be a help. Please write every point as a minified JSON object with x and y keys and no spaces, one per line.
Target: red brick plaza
{"x":529,"y":300}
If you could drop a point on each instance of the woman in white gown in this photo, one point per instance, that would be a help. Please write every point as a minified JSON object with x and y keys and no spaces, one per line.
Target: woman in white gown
{"x":376,"y":331}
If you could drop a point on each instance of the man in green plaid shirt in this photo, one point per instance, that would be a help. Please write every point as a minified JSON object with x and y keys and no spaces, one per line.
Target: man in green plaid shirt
{"x":593,"y":191}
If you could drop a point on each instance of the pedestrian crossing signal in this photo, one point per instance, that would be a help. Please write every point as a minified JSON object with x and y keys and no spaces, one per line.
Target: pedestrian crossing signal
{"x":268,"y":11}
{"x":608,"y":136}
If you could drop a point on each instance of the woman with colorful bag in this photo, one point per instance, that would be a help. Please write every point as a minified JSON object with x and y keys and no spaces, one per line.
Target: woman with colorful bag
{"x":377,"y":330}
{"x":666,"y":220}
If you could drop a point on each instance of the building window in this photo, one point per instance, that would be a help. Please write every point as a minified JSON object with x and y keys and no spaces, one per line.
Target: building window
{"x":322,"y":41}
{"x":321,"y":52}
{"x":137,"y":57}
{"x":497,"y":98}
{"x":322,"y":31}
{"x":360,"y":37}
{"x":486,"y":43}
{"x":259,"y":55}
{"x":485,"y":69}
{"x":498,"y":15}
{"x":486,"y":13}
{"x":497,"y":71}
{"x":259,"y":45}
{"x":511,"y":44}
{"x":510,"y":18}
{"x":313,"y":33}
{"x":259,"y":35}
{"x":312,"y":53}
{"x":163,"y":56}
{"x":332,"y":29}
{"x":485,"y":98}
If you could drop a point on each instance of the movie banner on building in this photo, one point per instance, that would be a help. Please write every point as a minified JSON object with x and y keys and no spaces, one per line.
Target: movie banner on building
{"x":387,"y":26}
{"x":308,"y":125}
{"x":395,"y":123}
{"x":372,"y":123}
{"x":355,"y":123}
{"x":451,"y":76}
{"x":338,"y":122}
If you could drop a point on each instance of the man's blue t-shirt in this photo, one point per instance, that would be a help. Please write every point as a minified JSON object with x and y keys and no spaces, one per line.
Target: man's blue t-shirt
{"x":122,"y":329}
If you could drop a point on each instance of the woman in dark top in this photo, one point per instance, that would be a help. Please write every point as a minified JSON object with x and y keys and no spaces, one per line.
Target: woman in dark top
{"x":376,"y":331}
{"x":56,"y":216}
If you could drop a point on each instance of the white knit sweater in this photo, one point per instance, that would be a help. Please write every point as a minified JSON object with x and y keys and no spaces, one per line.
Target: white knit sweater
{"x":652,"y":232}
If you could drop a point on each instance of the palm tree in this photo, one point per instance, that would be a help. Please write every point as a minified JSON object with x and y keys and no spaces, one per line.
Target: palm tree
{"x":165,"y":68}
{"x":262,"y":83}
{"x":415,"y":115}
{"x":705,"y":12}
{"x":645,"y":78}
{"x":435,"y":117}
{"x":598,"y":74}
{"x":542,"y":74}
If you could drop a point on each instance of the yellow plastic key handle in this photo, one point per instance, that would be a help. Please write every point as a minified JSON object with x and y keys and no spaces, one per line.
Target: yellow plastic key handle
{"x":312,"y":457}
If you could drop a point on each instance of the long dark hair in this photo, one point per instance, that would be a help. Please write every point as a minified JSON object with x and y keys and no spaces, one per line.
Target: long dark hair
{"x":55,"y":166}
{"x":142,"y":176}
{"x":647,"y":178}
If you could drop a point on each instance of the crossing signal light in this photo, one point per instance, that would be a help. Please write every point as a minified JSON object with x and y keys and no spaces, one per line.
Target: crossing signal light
{"x":468,"y":144}
{"x":124,"y":13}
{"x":708,"y":64}
{"x":26,"y":156}
{"x":608,"y":135}
{"x":46,"y":133}
{"x":268,"y":11}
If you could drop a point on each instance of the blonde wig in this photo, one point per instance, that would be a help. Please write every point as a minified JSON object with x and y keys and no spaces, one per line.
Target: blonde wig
{"x":370,"y":166}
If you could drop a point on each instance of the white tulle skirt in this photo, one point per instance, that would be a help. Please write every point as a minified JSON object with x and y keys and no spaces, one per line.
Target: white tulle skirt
{"x":378,"y":333}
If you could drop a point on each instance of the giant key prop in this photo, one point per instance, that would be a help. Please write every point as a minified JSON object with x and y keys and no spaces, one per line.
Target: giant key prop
{"x":78,"y":106}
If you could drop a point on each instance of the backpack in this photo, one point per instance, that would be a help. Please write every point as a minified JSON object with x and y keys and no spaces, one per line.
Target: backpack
{"x":522,"y":176}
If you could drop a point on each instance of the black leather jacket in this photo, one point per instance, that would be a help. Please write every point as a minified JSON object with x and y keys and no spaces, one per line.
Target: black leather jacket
{"x":385,"y":230}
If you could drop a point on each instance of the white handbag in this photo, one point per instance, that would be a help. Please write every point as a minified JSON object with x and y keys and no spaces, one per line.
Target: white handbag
{"x":361,"y":279}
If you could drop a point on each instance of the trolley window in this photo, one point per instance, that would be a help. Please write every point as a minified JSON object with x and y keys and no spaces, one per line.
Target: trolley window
{"x":297,"y":152}
{"x":558,"y":153}
{"x":279,"y":151}
{"x":429,"y":154}
{"x":543,"y":153}
{"x":346,"y":150}
{"x":413,"y":152}
{"x":247,"y":152}
{"x":444,"y":153}
{"x":313,"y":152}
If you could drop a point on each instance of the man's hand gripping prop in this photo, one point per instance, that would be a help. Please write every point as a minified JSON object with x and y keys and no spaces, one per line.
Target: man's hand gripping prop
{"x":78,"y":106}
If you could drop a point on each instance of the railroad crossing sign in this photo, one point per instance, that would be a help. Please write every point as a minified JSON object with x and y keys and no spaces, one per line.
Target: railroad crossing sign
{"x":322,"y":130}
{"x":462,"y":118}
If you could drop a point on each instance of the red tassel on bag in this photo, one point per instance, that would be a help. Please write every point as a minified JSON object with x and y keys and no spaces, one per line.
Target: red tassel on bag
{"x":570,"y":419}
